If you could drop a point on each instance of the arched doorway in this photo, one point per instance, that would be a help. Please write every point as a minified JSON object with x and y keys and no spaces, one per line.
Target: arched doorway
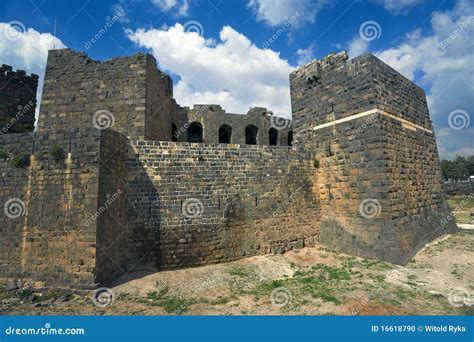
{"x":251,"y":135}
{"x":290,"y":138}
{"x":273,"y":136}
{"x":195,"y":132}
{"x":225,"y":134}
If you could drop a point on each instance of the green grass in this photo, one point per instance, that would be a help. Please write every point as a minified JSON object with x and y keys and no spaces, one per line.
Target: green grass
{"x":403,"y":294}
{"x":319,"y":281}
{"x":221,"y":301}
{"x":239,"y":271}
{"x":171,"y":304}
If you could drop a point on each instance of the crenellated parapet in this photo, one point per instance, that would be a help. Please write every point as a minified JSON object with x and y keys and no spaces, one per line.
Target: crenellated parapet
{"x":17,"y":100}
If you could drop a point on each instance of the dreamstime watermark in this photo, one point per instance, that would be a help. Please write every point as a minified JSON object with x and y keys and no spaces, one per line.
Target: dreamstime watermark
{"x":444,"y":221}
{"x":365,"y":302}
{"x":13,"y":30}
{"x":193,"y":26}
{"x":46,"y":330}
{"x":16,"y":296}
{"x":444,"y":44}
{"x":458,"y":119}
{"x":460,"y":297}
{"x":22,"y":110}
{"x":370,"y":30}
{"x":108,"y":202}
{"x":103,"y":119}
{"x":282,"y":29}
{"x":109,"y":22}
{"x":192,"y":208}
{"x":279,"y":120}
{"x":370,"y":208}
{"x":196,"y":115}
{"x":281,"y":297}
{"x":369,"y":122}
{"x":14,"y":208}
{"x":103,"y":297}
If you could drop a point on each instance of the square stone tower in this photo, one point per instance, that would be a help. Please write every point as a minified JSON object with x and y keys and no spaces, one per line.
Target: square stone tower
{"x":376,"y":156}
{"x":127,"y":94}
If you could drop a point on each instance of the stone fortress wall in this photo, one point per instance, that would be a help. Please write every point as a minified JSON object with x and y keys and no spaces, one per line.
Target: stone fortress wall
{"x":141,"y":182}
{"x":17,"y":100}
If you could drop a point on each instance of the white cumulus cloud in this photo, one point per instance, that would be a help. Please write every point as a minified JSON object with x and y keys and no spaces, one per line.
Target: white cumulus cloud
{"x":276,"y":12}
{"x":26,"y":49}
{"x":180,"y":6}
{"x":444,"y":62}
{"x":398,"y":6}
{"x":231,"y":72}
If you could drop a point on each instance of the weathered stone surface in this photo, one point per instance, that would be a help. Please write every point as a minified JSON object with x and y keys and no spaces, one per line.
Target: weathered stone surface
{"x":379,"y":180}
{"x":96,"y":203}
{"x":17,"y":100}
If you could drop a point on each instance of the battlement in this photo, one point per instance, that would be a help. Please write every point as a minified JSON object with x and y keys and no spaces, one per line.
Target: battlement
{"x":17,"y":100}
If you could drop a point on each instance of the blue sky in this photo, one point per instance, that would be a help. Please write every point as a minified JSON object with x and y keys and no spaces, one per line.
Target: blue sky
{"x":239,"y":53}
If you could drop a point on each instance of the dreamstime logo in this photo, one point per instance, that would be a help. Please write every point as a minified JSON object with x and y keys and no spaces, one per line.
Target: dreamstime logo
{"x":194,"y":26}
{"x":370,"y":30}
{"x":103,"y":119}
{"x":103,"y":297}
{"x":103,"y":208}
{"x":14,"y":208}
{"x":282,"y":29}
{"x":192,"y":208}
{"x":22,"y":110}
{"x":280,"y":297}
{"x":370,"y":208}
{"x":14,"y":30}
{"x":444,"y":44}
{"x":458,"y":119}
{"x":459,"y":297}
{"x":279,"y":121}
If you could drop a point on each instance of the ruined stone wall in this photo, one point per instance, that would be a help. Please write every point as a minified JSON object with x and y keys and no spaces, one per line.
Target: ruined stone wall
{"x":76,"y":88}
{"x":17,"y":100}
{"x":212,"y":117}
{"x":379,"y":177}
{"x":161,"y":108}
{"x":46,"y":235}
{"x":194,"y":204}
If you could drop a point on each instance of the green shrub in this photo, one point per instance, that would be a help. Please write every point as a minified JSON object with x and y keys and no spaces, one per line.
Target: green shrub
{"x":3,"y":154}
{"x":20,"y":160}
{"x":316,"y":163}
{"x":56,"y":153}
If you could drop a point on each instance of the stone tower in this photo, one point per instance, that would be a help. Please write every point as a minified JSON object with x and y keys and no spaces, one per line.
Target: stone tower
{"x":379,"y":175}
{"x":17,"y":100}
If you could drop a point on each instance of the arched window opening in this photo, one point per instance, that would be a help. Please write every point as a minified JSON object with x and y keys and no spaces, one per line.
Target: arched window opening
{"x":251,"y":135}
{"x":195,"y":132}
{"x":290,"y":138}
{"x":225,"y":134}
{"x":273,"y":136}
{"x":174,"y":132}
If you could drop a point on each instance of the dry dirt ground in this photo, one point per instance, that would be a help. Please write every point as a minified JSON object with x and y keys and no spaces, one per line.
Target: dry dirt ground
{"x":310,"y":281}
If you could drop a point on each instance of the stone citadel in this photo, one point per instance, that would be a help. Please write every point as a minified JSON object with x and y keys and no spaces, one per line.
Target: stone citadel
{"x":119,"y":177}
